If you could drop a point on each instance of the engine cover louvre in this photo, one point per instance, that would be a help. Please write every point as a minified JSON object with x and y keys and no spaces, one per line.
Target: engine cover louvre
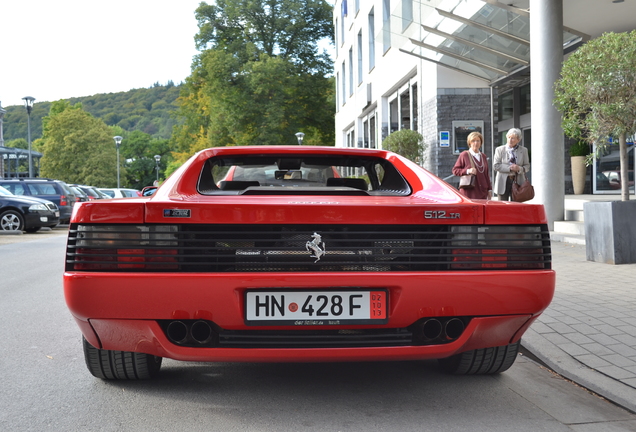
{"x":306,"y":248}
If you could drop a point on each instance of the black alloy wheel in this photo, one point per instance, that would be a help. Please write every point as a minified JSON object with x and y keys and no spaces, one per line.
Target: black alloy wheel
{"x":11,"y":220}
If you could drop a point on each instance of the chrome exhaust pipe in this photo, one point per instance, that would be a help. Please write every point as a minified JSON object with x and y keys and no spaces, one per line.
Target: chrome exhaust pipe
{"x":453,"y":328}
{"x":431,"y":329}
{"x":177,"y":332}
{"x":201,"y":332}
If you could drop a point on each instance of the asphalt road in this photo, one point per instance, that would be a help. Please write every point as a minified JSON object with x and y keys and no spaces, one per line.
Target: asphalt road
{"x":45,"y":385}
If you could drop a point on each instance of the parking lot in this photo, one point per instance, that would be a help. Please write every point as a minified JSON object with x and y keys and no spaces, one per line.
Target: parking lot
{"x":9,"y":237}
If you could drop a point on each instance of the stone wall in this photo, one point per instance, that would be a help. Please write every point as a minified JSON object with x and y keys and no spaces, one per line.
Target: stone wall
{"x":438,"y":115}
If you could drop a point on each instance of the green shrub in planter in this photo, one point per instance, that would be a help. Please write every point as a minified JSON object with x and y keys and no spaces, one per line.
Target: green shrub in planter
{"x":580,"y":148}
{"x":407,"y":143}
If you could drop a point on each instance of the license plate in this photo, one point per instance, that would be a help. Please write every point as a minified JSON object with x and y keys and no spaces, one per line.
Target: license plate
{"x":57,"y":214}
{"x":314,"y":307}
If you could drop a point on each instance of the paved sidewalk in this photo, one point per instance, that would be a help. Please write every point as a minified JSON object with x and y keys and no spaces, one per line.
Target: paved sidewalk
{"x":588,"y":334}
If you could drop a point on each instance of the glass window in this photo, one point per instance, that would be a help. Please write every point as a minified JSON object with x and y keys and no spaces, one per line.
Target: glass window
{"x":393,"y":115}
{"x":524,"y":99}
{"x":337,"y":91}
{"x":371,"y":40}
{"x":271,"y":174}
{"x":350,"y":71}
{"x":407,"y":13}
{"x":336,"y":36}
{"x":414,"y":105}
{"x":461,"y":130}
{"x":386,"y":24}
{"x":344,"y":85}
{"x":505,"y":106}
{"x":372,"y":132}
{"x":608,"y":168}
{"x":405,"y":110}
{"x":360,"y":57}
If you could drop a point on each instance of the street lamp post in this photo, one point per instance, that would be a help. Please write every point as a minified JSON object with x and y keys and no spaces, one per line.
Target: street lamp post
{"x":2,"y":113}
{"x":28,"y":103}
{"x":117,"y":144}
{"x":300,"y":137}
{"x":157,"y":159}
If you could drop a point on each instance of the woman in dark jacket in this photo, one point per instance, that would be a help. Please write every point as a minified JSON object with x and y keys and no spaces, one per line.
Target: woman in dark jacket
{"x":477,"y":167}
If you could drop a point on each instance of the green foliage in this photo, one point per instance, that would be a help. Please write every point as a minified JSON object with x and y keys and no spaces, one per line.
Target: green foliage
{"x":580,"y":148}
{"x":78,"y":148}
{"x":259,"y":78}
{"x":247,"y":29}
{"x":597,"y":91}
{"x":20,"y":143}
{"x":407,"y":143}
{"x":138,"y":150}
{"x":151,"y":110}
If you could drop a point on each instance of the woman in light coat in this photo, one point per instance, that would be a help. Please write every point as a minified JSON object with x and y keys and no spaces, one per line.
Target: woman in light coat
{"x":511,"y":161}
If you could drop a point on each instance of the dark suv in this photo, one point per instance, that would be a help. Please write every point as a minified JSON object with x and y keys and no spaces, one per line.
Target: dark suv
{"x":49,"y":189}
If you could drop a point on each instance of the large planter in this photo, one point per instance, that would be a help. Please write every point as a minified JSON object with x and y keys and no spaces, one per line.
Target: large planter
{"x":579,"y":173}
{"x":610,"y":231}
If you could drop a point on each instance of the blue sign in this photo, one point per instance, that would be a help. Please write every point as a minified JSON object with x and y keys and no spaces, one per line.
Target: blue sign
{"x":444,"y":139}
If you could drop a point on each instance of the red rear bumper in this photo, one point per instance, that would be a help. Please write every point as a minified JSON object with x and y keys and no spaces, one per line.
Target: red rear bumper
{"x":118,"y":311}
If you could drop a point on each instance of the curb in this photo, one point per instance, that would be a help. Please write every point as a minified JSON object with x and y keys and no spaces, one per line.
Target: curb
{"x":563,"y":364}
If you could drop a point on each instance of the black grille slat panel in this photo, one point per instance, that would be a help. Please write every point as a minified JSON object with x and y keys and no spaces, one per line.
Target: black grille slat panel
{"x":324,"y":339}
{"x":283,"y":248}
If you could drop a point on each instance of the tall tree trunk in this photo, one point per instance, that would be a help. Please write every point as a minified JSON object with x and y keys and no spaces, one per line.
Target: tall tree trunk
{"x":622,"y":147}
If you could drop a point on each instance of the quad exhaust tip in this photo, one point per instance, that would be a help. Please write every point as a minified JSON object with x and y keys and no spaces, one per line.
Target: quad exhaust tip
{"x":191,"y":333}
{"x":433,"y":330}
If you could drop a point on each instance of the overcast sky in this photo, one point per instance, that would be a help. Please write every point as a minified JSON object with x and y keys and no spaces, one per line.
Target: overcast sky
{"x":58,"y":49}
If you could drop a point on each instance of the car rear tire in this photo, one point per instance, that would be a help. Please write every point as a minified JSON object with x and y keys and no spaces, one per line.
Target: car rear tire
{"x":481,"y":361}
{"x":11,"y":220}
{"x":120,"y":365}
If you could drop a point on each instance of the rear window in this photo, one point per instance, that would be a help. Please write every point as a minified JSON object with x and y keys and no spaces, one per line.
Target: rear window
{"x":300,"y":174}
{"x":14,"y":188}
{"x":43,"y":189}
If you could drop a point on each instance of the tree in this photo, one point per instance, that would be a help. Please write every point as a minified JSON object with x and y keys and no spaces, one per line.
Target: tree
{"x":597,"y":94}
{"x":77,"y":147}
{"x":138,"y":150}
{"x":407,"y":143}
{"x":259,"y":78}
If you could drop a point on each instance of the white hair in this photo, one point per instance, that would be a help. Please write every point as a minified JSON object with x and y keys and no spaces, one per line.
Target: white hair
{"x":514,"y":131}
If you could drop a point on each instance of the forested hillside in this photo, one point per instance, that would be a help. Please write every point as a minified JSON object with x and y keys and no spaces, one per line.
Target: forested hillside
{"x":150,"y":110}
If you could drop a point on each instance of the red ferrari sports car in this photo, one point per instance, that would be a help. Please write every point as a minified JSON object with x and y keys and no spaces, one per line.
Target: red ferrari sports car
{"x":305,"y":254}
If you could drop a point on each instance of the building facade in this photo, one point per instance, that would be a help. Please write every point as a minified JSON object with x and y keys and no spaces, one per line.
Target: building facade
{"x":447,"y":67}
{"x":382,"y":89}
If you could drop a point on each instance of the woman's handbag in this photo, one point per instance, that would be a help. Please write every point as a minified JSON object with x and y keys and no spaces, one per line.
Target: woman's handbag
{"x":468,"y":181}
{"x":522,"y":193}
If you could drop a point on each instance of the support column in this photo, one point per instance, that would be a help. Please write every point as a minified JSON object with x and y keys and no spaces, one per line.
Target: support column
{"x":548,"y":148}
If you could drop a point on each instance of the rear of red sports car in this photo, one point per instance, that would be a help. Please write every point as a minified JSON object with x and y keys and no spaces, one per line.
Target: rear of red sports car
{"x":290,"y":254}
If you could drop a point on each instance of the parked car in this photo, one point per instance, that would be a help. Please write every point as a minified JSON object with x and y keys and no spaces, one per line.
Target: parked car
{"x":148,"y":190}
{"x":92,"y":193}
{"x":121,"y":192}
{"x":81,"y":195}
{"x":299,"y":253}
{"x":614,"y":178}
{"x":21,"y":213}
{"x":56,"y":191}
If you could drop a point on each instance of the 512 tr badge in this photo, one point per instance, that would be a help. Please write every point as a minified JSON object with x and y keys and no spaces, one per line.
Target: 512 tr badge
{"x":440,"y":214}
